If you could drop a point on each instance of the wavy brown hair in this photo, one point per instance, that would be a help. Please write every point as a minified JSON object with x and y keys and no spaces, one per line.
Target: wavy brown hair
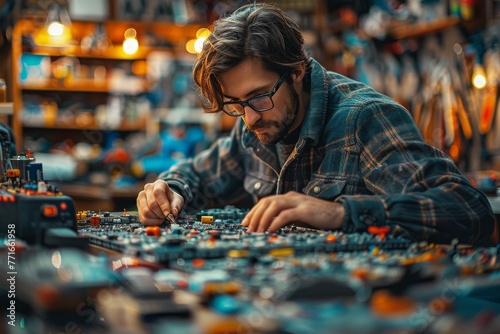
{"x":255,"y":30}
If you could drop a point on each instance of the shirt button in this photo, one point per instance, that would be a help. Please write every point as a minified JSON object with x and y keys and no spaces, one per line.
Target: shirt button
{"x":257,"y":185}
{"x":367,"y":219}
{"x":317,"y":189}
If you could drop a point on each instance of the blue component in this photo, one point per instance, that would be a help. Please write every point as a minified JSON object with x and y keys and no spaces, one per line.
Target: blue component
{"x":226,"y":304}
{"x":34,"y":172}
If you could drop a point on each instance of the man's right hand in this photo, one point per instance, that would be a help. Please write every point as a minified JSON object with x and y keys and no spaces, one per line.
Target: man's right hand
{"x":156,"y":201}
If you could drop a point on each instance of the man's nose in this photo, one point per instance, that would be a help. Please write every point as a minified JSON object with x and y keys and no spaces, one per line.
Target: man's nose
{"x":251,"y":116}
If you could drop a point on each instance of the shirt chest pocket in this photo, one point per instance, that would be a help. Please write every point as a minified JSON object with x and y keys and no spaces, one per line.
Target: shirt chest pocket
{"x":325,"y":187}
{"x":259,"y":187}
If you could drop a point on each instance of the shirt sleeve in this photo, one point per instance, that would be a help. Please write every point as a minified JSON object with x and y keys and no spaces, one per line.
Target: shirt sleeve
{"x":417,"y":189}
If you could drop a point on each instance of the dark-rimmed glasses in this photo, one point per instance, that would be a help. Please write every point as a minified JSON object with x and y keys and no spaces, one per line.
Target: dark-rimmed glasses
{"x":259,"y":103}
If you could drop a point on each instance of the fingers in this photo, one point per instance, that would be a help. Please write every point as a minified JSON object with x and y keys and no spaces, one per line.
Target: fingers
{"x":145,"y":215}
{"x":176,"y":203}
{"x":254,"y":218}
{"x":271,"y":213}
{"x":156,"y":201}
{"x":274,"y":212}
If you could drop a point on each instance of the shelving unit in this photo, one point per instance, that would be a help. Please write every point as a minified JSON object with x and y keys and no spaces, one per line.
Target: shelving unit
{"x":91,"y":90}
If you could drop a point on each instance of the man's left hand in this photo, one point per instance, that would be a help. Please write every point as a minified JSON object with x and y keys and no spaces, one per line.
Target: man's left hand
{"x":274,"y":212}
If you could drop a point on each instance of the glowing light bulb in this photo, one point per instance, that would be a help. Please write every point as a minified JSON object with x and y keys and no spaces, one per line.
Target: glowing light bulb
{"x":130,"y":43}
{"x":55,"y":29}
{"x":130,"y":46}
{"x":198,"y":45}
{"x":478,"y":77}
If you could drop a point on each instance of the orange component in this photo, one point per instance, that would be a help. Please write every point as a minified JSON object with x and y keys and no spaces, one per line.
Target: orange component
{"x":379,"y":230}
{"x":13,"y":173}
{"x":198,"y":263}
{"x":427,"y":257}
{"x":63,"y":206}
{"x":273,"y":238}
{"x":212,"y":288}
{"x":49,"y":210}
{"x":361,"y":273}
{"x":226,"y":325}
{"x":385,"y":304}
{"x":153,"y":231}
{"x":331,"y":238}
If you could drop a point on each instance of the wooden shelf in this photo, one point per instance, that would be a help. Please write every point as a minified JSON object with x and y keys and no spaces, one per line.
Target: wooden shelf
{"x":113,"y":52}
{"x":126,"y":126}
{"x":76,"y":85}
{"x":405,"y":30}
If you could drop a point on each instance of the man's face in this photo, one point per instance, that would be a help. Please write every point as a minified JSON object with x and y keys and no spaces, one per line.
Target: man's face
{"x":249,"y":79}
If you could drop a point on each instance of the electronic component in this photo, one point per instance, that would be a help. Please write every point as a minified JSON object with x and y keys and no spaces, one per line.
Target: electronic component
{"x":34,"y":214}
{"x":33,"y":210}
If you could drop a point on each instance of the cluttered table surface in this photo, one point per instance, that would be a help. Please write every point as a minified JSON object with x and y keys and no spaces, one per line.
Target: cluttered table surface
{"x":206,"y":275}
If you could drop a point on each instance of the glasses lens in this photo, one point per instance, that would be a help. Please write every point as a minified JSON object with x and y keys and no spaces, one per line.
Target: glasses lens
{"x":261,"y":103}
{"x":233,"y":109}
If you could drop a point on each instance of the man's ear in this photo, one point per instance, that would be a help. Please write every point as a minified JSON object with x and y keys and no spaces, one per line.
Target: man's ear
{"x":299,"y":72}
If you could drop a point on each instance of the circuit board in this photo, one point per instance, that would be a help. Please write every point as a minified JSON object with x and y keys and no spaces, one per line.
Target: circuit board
{"x":217,"y":233}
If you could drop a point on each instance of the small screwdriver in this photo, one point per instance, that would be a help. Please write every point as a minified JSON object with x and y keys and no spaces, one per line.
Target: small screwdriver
{"x":170,"y":217}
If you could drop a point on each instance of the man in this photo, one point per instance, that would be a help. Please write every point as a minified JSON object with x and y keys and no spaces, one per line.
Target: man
{"x":311,"y":146}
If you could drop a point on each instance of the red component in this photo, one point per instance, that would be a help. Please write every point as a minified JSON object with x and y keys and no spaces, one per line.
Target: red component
{"x":153,"y":231}
{"x":198,"y":263}
{"x":379,"y":230}
{"x":63,"y":206}
{"x":95,"y":221}
{"x":49,"y":211}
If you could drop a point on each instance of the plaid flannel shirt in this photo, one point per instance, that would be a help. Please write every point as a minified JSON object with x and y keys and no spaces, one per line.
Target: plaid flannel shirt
{"x":357,"y":147}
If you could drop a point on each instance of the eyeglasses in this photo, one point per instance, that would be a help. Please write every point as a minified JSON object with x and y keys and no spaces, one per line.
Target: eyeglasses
{"x":260,"y":103}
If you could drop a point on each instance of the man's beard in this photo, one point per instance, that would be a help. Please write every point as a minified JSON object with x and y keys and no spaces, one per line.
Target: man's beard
{"x":272,"y":138}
